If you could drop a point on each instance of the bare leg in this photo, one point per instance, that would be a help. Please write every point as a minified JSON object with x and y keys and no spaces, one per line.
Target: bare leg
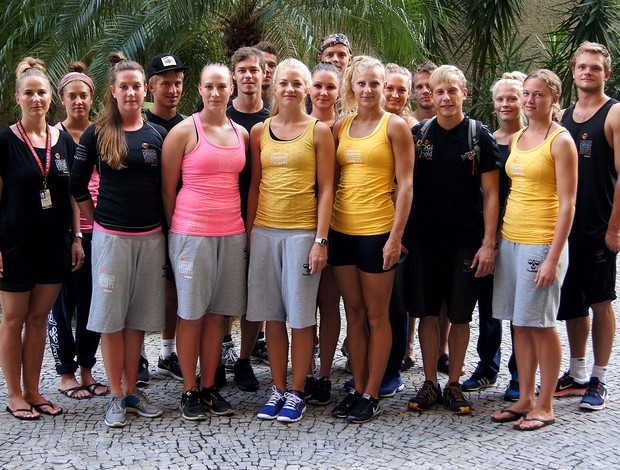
{"x":411,"y":341}
{"x":428,"y":334}
{"x":444,"y":331}
{"x":133,"y":340}
{"x":188,"y":349}
{"x":278,"y":353}
{"x":113,"y":352}
{"x":171,"y":318}
{"x":603,"y":332}
{"x":458,"y":341}
{"x":329,"y":328}
{"x":210,"y":348}
{"x":578,"y":331}
{"x":249,"y":333}
{"x":302,"y":349}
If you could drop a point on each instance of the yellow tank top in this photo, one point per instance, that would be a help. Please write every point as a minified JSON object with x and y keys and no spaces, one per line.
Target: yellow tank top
{"x":532,"y":205}
{"x":286,"y":198}
{"x":363,"y":205}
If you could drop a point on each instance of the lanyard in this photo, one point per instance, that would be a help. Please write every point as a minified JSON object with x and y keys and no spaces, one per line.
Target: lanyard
{"x":48,"y":151}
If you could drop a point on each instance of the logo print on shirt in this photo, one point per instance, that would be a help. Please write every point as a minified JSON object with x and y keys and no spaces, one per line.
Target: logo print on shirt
{"x":585,"y":147}
{"x":279,"y":159}
{"x":517,"y":169}
{"x":150,"y":155}
{"x":353,"y":157}
{"x":427,"y":151}
{"x":106,"y":281}
{"x":227,"y":162}
{"x":61,"y":164}
{"x":533,"y":265}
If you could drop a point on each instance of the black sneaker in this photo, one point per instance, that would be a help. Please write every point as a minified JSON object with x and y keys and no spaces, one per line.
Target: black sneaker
{"x":309,"y":386}
{"x":322,"y":392}
{"x":342,"y":409}
{"x":213,"y":401}
{"x":144,"y":376}
{"x":191,"y":406}
{"x":365,"y":409}
{"x":455,"y":400}
{"x":244,"y":376}
{"x":407,"y":364}
{"x":170,"y":367}
{"x":259,"y":352}
{"x":428,"y":395}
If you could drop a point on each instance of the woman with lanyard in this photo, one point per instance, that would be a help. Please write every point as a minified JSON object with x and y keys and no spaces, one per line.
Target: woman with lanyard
{"x":373,"y":147}
{"x":324,"y":97}
{"x":533,"y":255}
{"x":288,"y":223}
{"x":207,"y":235}
{"x":35,"y":217}
{"x":76,"y":92}
{"x":128,"y":245}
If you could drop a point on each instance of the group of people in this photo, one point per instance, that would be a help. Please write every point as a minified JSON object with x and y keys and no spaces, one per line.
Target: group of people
{"x":266,"y":211}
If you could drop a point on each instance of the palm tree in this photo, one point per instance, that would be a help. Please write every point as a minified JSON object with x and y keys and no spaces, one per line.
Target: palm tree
{"x":60,"y":31}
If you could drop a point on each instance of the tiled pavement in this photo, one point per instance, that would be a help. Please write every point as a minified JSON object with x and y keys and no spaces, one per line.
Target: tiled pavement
{"x":397,"y":439}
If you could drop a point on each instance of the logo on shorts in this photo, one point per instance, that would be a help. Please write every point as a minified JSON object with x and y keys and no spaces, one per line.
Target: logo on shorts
{"x":467,"y":266}
{"x":533,"y":265}
{"x":306,"y":270}
{"x":185,"y":268}
{"x":106,"y":281}
{"x":599,"y":256}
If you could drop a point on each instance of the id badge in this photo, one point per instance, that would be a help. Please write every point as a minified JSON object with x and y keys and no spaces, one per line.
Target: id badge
{"x":46,"y":198}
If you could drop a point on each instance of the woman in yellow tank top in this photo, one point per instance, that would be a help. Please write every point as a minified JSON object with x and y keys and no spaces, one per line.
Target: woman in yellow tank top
{"x":533,"y":258}
{"x":373,"y":146}
{"x":288,"y":225}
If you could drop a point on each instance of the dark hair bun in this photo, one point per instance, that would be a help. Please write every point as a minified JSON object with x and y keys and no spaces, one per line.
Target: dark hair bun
{"x":115,"y":57}
{"x":77,"y":66}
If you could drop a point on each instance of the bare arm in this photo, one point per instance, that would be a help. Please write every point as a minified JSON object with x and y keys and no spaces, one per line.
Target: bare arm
{"x":1,"y":264}
{"x":257,"y":174}
{"x":612,"y":132}
{"x":172,"y":152}
{"x":564,"y":155}
{"x":77,"y":251}
{"x":403,"y":149}
{"x":325,"y":161}
{"x":485,"y":256}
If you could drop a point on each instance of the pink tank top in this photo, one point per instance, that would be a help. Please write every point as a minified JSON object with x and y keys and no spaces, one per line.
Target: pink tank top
{"x":93,"y":187}
{"x":209,"y":203}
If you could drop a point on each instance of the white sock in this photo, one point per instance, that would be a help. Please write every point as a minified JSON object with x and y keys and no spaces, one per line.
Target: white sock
{"x":168,"y":346}
{"x":600,"y":372}
{"x":143,"y":352}
{"x":578,"y":369}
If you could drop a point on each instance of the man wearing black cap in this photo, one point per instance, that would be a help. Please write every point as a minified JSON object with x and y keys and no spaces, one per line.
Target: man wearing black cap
{"x":336,"y":49}
{"x":165,"y":75}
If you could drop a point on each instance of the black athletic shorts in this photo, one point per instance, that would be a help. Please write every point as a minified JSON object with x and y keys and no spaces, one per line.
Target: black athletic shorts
{"x":27,"y":265}
{"x":443,"y":273}
{"x":363,"y":251}
{"x":590,"y":279}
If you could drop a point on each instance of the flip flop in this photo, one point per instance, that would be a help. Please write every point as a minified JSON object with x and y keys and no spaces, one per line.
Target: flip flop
{"x":94,"y":386}
{"x":543,"y":423}
{"x":32,"y":416}
{"x":514,"y":416}
{"x":70,"y":392}
{"x":39,"y":408}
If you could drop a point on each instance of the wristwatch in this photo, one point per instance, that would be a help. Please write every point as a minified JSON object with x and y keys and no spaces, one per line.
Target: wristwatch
{"x":78,"y":235}
{"x":321,"y":241}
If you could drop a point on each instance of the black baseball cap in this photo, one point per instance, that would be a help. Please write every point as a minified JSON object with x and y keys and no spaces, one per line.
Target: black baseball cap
{"x":163,"y":63}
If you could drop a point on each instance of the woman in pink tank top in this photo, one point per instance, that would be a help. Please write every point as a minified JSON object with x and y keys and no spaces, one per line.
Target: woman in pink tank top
{"x":207,"y":235}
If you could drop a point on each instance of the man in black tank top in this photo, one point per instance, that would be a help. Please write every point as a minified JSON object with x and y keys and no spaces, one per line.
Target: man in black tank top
{"x":594,"y":123}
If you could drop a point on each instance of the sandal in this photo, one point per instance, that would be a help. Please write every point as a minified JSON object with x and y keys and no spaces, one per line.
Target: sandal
{"x":70,"y":392}
{"x":40,"y":409}
{"x":514,"y":416}
{"x":30,"y":417}
{"x":92,"y":389}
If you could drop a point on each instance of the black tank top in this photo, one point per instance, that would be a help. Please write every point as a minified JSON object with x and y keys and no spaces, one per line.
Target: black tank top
{"x":597,"y":175}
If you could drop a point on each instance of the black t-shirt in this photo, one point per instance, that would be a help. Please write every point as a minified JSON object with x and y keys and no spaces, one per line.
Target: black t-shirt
{"x":166,"y":124}
{"x":130,"y":198}
{"x":447,"y":201}
{"x":597,"y":176}
{"x":504,"y":181}
{"x":22,"y":218}
{"x":247,"y":121}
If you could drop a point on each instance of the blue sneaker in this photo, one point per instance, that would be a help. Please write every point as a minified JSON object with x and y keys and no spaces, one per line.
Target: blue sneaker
{"x":478,"y":382}
{"x":115,"y":412}
{"x":349,"y":385}
{"x":293,"y":408}
{"x":568,"y":386}
{"x":140,"y":404}
{"x":512,"y":392}
{"x":390,"y":385}
{"x":271,"y":409}
{"x":595,"y":397}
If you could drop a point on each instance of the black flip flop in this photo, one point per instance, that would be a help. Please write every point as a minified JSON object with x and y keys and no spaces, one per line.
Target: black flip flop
{"x":70,"y":392}
{"x":544,"y":422}
{"x":39,"y":408}
{"x":514,"y":416}
{"x":92,"y":387}
{"x":23,"y":418}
